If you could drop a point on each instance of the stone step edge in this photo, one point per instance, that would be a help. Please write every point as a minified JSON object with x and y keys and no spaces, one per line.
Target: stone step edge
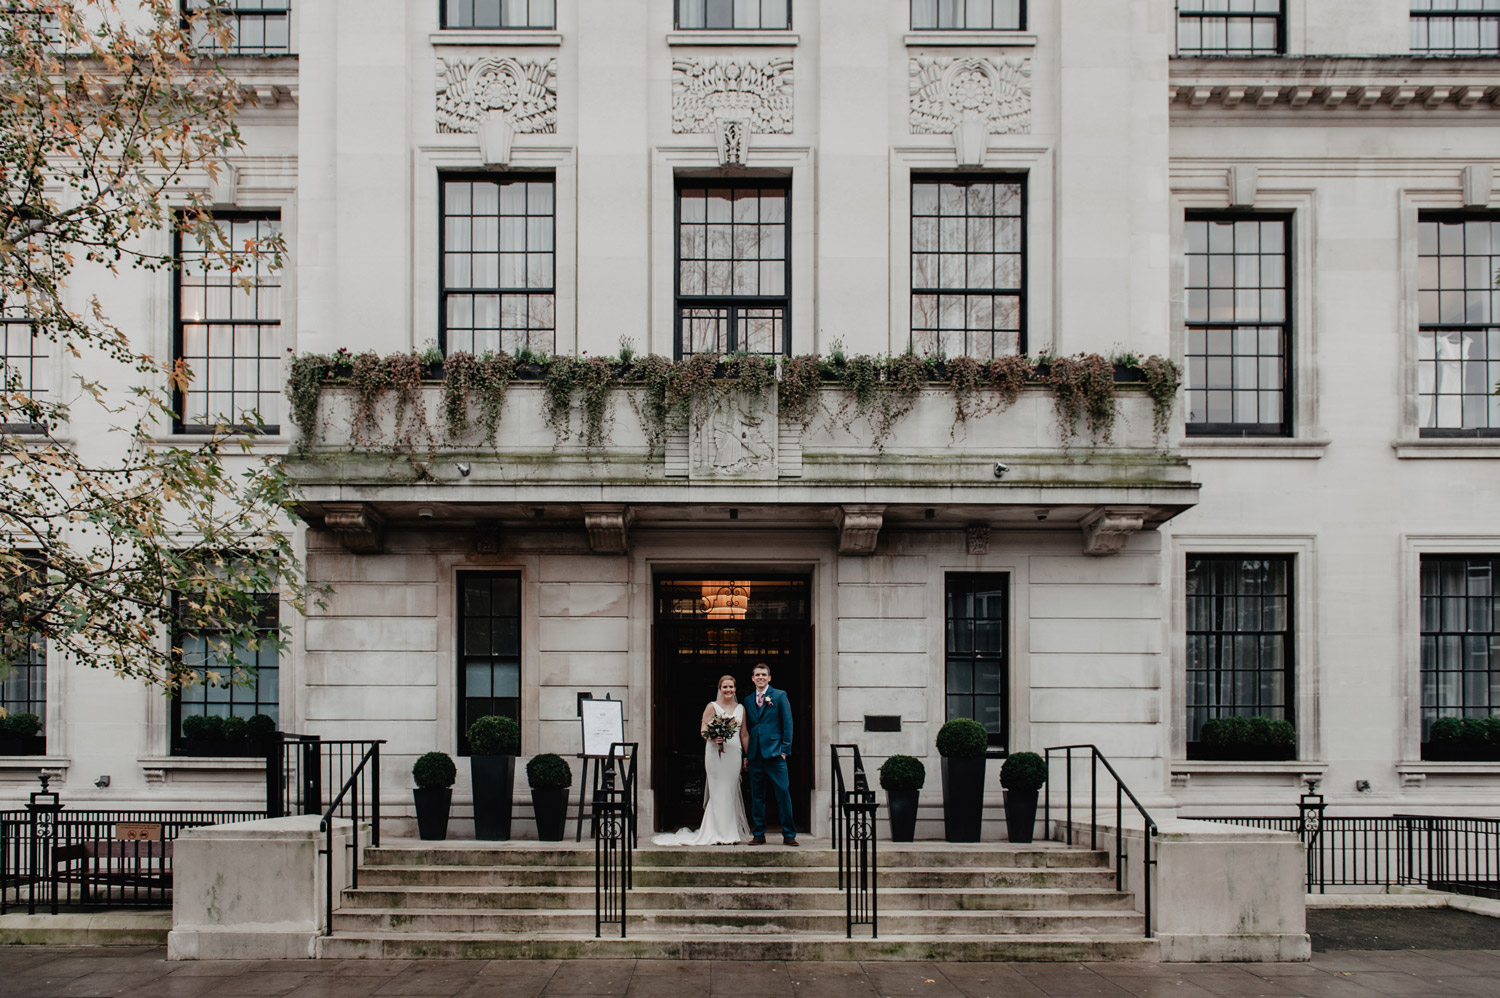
{"x":752,"y":870}
{"x":635,"y":910}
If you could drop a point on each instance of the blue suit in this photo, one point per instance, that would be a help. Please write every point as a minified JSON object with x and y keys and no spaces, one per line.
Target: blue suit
{"x":770,"y":739}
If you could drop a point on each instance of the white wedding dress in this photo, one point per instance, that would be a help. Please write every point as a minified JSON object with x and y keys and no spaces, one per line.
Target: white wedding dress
{"x":723,"y":808}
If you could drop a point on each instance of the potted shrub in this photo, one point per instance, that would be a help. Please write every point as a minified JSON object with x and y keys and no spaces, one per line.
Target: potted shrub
{"x":434,"y":774}
{"x":210,"y":735}
{"x":20,"y":734}
{"x":1021,"y":776}
{"x":962,"y":743}
{"x":494,"y":742}
{"x":1463,"y":739}
{"x":550,"y":779}
{"x":902,"y":778}
{"x":1247,"y":739}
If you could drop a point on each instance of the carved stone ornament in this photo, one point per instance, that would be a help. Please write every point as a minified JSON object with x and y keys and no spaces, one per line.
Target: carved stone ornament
{"x":859,"y":528}
{"x":737,"y":440}
{"x":607,"y":527}
{"x":1106,"y":531}
{"x":970,"y":99}
{"x":732,"y":98}
{"x":359,"y":528}
{"x":496,"y":98}
{"x":977,"y":539}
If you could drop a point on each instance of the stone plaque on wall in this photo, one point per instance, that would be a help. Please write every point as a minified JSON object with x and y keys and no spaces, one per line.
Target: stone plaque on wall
{"x":737,"y":440}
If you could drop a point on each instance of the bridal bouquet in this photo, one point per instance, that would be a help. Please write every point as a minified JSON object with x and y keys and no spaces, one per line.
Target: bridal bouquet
{"x":721,"y":727}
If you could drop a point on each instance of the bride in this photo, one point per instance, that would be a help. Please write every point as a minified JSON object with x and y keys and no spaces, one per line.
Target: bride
{"x":723,"y":808}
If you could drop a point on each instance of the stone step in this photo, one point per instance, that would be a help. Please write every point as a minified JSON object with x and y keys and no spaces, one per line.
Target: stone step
{"x":698,"y":877}
{"x":692,"y":946}
{"x":720,"y":921}
{"x":762,"y":899}
{"x":739,"y":856}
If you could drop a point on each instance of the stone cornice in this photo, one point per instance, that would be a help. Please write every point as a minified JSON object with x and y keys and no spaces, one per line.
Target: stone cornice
{"x":1334,"y":83}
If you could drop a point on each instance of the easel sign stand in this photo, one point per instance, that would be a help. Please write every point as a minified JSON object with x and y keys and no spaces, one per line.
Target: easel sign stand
{"x":603,"y":725}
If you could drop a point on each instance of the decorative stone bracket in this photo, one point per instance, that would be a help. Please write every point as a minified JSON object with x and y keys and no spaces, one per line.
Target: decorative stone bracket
{"x":1107,"y":530}
{"x":859,"y":528}
{"x":607,"y":526}
{"x":359,"y":528}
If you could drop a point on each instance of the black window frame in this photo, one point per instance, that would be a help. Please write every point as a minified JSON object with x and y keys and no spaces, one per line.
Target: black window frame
{"x":733,"y":304}
{"x":1285,"y":427}
{"x":962,"y":12}
{"x":276,"y":357}
{"x":240,"y":16}
{"x":32,"y":673}
{"x":1491,"y":329}
{"x":1468,"y":605}
{"x":1486,"y":21}
{"x":969,"y":584}
{"x":466,"y":716}
{"x":1278,"y":18}
{"x":1220,"y":706}
{"x":501,"y":180}
{"x":1020,"y":293}
{"x":268,"y":620}
{"x":499,"y":25}
{"x":678,"y":26}
{"x":37,"y":363}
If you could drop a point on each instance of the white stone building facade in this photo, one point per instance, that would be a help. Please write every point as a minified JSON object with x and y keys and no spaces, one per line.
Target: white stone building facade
{"x":1294,"y":201}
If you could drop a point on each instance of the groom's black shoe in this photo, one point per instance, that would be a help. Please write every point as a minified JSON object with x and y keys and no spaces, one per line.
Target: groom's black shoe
{"x":787,"y":840}
{"x":759,"y":840}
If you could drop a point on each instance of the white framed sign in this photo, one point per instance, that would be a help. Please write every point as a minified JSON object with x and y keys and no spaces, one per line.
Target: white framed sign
{"x":603,"y":725}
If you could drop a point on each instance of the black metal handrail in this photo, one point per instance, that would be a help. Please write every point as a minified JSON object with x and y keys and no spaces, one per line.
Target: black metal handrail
{"x":299,"y":767}
{"x":855,"y":840}
{"x":350,"y":789}
{"x":614,"y":825}
{"x":1122,"y":792}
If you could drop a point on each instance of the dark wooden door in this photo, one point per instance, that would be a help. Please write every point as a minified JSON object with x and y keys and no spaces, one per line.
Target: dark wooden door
{"x":711,"y":626}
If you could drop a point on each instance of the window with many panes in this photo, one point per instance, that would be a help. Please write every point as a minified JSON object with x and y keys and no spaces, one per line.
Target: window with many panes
{"x":489,"y":649}
{"x":765,"y":15}
{"x":1238,"y":325}
{"x":976,"y":657}
{"x":1458,"y":316}
{"x":256,"y":27}
{"x":499,"y":263}
{"x":968,"y":266}
{"x":208,"y":652}
{"x":25,"y":362}
{"x":968,"y":15}
{"x":1460,"y":637}
{"x":1231,"y":27}
{"x":734,"y":278}
{"x":23,"y":652}
{"x":499,"y":13}
{"x":1455,"y":27}
{"x":229,"y":326}
{"x":1239,"y":639}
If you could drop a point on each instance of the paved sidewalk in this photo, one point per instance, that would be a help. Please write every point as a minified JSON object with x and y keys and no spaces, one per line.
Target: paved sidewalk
{"x":31,"y":972}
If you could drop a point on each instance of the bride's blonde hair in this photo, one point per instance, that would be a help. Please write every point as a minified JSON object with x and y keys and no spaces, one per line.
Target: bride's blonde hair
{"x":720,"y":683}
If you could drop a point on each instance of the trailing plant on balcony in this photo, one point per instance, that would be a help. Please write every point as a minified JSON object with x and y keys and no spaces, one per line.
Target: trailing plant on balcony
{"x":405,"y":371}
{"x":1083,"y":387}
{"x":468,"y":380}
{"x":369,"y":378}
{"x":801,"y":382}
{"x":1163,"y":379}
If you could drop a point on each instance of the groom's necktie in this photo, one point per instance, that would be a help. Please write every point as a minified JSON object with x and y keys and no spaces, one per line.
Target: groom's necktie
{"x":760,"y":699}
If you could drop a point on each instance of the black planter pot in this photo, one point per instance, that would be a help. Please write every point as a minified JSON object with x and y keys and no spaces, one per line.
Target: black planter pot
{"x":963,"y":799}
{"x":903,"y":804}
{"x":432,"y":812}
{"x":551,"y":806}
{"x":1020,"y":815}
{"x":494,"y":783}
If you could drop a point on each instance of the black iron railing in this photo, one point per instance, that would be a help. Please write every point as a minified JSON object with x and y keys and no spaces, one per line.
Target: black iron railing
{"x":614,"y":824}
{"x":1122,"y":793}
{"x":855,"y":840}
{"x":300,"y":767}
{"x":53,"y":859}
{"x":363,"y":782}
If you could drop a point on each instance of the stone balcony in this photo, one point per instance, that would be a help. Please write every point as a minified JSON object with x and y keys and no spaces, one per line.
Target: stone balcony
{"x":1003,"y":467}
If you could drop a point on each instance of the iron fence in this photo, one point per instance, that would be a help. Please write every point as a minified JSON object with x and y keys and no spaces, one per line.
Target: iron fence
{"x":302,"y":769}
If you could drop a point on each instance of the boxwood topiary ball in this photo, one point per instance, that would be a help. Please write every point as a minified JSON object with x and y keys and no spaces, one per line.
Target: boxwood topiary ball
{"x":548,"y":772}
{"x":902,"y":772}
{"x":494,"y":735}
{"x":434,"y":771}
{"x":1023,"y":771}
{"x":962,"y":738}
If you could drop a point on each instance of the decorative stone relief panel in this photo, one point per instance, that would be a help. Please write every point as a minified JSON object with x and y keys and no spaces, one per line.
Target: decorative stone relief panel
{"x":732,"y":98}
{"x":522,"y":93}
{"x":738,"y":440}
{"x":970,"y":99}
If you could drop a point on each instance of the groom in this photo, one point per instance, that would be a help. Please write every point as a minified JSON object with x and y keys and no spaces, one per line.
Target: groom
{"x":770,"y":718}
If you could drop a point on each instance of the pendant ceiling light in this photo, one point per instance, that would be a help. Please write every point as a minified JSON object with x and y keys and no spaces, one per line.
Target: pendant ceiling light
{"x":728,"y":602}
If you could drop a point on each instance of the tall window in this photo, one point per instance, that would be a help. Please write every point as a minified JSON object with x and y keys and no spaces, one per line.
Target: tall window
{"x":257,"y":27}
{"x":769,"y":15}
{"x":25,"y":363}
{"x":734,"y":277}
{"x":971,"y":15}
{"x":976,"y":656}
{"x":1239,"y":638}
{"x":1231,"y":27}
{"x":1455,"y":27}
{"x":1238,"y":326}
{"x":1458,"y":311}
{"x":968,"y":266}
{"x":23,"y":689}
{"x":489,"y":655}
{"x":499,"y":264}
{"x":499,"y":13}
{"x":205,"y":650}
{"x":1460,"y":637}
{"x":229,"y":328}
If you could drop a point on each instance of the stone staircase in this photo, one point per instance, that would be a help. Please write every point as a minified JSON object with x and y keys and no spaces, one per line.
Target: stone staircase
{"x":937,"y":902}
